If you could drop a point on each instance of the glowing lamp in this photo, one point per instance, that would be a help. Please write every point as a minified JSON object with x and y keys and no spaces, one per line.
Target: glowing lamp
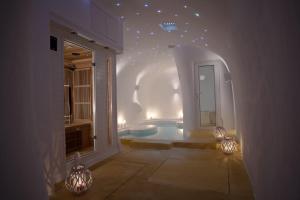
{"x":80,"y":178}
{"x":220,"y":133}
{"x":228,"y":145}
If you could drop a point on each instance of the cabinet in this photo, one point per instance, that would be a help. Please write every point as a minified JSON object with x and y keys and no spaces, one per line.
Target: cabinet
{"x":78,"y":137}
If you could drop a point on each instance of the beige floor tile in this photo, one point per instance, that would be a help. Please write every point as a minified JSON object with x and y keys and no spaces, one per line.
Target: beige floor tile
{"x":193,"y":154}
{"x":150,"y":191}
{"x":239,"y":181}
{"x":107,"y":178}
{"x":201,"y":175}
{"x":142,"y":156}
{"x":177,"y":173}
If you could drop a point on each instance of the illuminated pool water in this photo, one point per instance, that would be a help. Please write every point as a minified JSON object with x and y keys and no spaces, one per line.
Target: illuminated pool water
{"x":161,"y":133}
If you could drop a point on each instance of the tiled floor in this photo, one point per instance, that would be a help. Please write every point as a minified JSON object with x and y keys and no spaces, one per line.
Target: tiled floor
{"x":176,"y":173}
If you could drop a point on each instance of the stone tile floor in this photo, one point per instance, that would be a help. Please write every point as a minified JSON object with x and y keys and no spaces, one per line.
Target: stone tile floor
{"x":176,"y":173}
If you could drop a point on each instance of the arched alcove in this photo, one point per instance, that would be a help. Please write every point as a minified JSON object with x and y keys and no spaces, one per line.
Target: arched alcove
{"x":187,"y":59}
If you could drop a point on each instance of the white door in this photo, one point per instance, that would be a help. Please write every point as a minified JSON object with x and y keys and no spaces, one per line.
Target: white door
{"x":205,"y":76}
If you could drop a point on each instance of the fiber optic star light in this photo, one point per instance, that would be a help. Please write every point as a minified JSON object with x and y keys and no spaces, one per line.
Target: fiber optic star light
{"x":168,"y":26}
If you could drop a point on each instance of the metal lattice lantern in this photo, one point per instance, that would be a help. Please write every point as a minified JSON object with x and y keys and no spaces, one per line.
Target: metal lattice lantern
{"x":220,"y":133}
{"x":229,"y":145}
{"x":80,"y":178}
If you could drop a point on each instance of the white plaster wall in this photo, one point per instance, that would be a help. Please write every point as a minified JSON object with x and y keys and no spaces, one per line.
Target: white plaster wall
{"x":86,"y":18}
{"x":126,"y":81}
{"x":266,"y":72}
{"x":160,"y":94}
{"x":156,"y":93}
{"x":31,"y":79}
{"x":226,"y":99}
{"x":23,"y":115}
{"x":102,"y":147}
{"x":90,"y":19}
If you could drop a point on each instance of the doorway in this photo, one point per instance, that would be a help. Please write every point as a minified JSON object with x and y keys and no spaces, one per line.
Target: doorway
{"x":207,"y":95}
{"x":78,"y":99}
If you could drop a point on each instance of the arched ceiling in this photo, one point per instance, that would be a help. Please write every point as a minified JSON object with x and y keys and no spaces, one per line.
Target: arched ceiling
{"x":200,"y":23}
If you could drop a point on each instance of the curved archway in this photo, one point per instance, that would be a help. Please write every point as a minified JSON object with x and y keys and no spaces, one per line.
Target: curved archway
{"x":187,"y":57}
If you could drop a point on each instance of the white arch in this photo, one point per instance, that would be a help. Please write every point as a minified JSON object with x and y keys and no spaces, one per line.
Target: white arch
{"x":186,"y":57}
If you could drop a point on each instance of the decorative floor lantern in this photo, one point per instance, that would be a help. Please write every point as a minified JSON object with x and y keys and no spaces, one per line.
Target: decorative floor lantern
{"x":229,"y":145}
{"x":80,"y":178}
{"x":220,"y":133}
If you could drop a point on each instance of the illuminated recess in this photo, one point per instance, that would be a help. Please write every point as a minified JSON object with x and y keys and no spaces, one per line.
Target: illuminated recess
{"x":168,"y":26}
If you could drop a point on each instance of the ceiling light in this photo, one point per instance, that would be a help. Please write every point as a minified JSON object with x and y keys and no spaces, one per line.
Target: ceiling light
{"x":118,"y":4}
{"x":168,"y":26}
{"x":138,"y":31}
{"x":197,"y":14}
{"x":146,"y":5}
{"x":151,"y":33}
{"x":176,"y":15}
{"x":158,"y":11}
{"x":122,"y":17}
{"x":185,"y":31}
{"x":185,"y":6}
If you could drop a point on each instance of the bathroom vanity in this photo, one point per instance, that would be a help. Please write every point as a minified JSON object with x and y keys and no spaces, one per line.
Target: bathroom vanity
{"x":78,"y":136}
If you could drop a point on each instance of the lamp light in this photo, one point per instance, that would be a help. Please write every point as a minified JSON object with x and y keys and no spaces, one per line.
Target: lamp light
{"x":228,"y":145}
{"x":220,"y":133}
{"x":80,"y":178}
